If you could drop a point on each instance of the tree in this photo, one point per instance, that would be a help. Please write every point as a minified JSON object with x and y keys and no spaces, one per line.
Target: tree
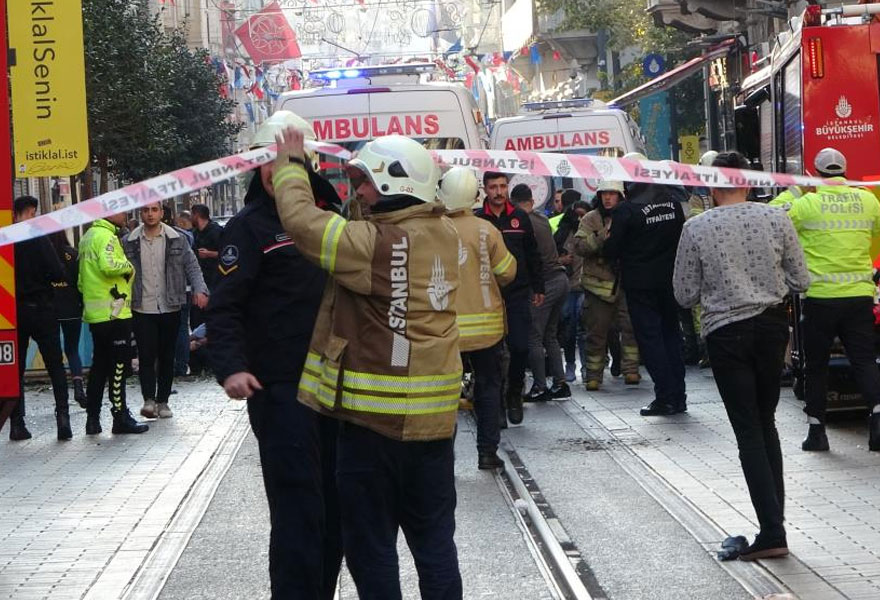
{"x":153,"y":104}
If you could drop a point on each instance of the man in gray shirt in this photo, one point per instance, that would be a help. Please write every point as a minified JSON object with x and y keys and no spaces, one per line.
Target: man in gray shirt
{"x":740,"y":260}
{"x":543,"y":336}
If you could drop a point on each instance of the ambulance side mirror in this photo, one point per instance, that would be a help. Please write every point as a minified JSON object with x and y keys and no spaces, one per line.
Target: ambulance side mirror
{"x":748,"y":131}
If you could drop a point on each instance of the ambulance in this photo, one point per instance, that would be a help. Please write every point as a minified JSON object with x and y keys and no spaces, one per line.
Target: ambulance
{"x":355,"y":105}
{"x":582,"y":126}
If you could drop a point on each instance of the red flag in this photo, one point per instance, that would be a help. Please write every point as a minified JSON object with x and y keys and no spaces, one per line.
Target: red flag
{"x":268,"y":37}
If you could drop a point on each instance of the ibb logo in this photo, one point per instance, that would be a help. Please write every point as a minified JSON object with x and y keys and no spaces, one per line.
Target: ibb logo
{"x":843,"y":109}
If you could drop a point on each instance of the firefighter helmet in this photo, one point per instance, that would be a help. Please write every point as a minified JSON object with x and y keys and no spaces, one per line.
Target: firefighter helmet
{"x":458,"y":188}
{"x":398,"y":165}
{"x":635,"y":156}
{"x":278,"y":122}
{"x":708,"y":158}
{"x":830,"y":161}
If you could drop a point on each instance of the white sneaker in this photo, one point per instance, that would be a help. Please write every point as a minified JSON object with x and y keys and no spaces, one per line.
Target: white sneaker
{"x":164,"y":411}
{"x":149,"y":409}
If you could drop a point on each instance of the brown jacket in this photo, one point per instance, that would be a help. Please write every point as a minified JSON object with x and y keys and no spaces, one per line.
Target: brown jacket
{"x":598,"y":275}
{"x":384,"y":353}
{"x":479,"y":305}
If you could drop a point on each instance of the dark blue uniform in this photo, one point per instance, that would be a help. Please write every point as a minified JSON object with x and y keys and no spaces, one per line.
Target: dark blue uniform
{"x":260,"y":319}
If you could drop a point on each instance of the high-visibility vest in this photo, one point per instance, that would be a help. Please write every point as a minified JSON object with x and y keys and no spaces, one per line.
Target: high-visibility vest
{"x":105,"y":274}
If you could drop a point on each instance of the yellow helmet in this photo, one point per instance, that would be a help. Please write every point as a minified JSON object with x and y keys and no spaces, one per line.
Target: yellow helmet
{"x":278,"y":122}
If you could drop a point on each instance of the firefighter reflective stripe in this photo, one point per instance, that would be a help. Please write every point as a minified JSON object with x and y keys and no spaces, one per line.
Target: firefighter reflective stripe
{"x":841,"y":277}
{"x":838,"y":224}
{"x":504,"y":264}
{"x":7,"y":288}
{"x":387,"y":394}
{"x":480,"y":324}
{"x":330,"y":241}
{"x":293,"y":171}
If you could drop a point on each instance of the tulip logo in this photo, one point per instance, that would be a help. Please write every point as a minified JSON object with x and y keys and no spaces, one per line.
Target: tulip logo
{"x":843,"y":110}
{"x":438,"y":288}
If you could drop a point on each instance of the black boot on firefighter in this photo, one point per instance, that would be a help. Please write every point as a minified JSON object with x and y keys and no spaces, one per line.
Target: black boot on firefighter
{"x":816,"y":440}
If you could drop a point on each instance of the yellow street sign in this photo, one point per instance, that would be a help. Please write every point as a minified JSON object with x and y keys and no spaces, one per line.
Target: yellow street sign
{"x":50,"y":128}
{"x":690,"y":149}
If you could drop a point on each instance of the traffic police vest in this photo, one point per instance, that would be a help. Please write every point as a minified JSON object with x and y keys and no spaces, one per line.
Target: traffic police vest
{"x":104,"y":274}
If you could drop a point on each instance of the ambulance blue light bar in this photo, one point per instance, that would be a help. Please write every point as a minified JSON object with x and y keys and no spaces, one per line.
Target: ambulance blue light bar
{"x":372,"y":71}
{"x":561,"y":104}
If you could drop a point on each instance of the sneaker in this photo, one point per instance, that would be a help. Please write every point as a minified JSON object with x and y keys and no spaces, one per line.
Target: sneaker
{"x":592,"y":385}
{"x":163,"y":410}
{"x":123,"y":422}
{"x":570,"y":372}
{"x":632,"y":379}
{"x":488,"y":461}
{"x":816,"y":440}
{"x":149,"y":410}
{"x":560,"y":391}
{"x":537,"y":395}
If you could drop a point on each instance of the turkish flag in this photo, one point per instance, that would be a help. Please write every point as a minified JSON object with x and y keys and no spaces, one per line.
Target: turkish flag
{"x":268,"y":37}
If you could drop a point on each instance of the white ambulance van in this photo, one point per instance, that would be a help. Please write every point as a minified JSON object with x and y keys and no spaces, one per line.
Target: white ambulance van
{"x":359,"y":104}
{"x":583,"y":126}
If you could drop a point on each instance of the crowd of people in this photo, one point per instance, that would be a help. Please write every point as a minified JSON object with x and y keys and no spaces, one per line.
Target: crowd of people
{"x":347,"y":328}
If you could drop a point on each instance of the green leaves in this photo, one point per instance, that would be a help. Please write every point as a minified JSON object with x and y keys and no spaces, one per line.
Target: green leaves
{"x":153,"y":104}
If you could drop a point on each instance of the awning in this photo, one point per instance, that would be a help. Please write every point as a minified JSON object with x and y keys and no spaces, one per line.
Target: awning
{"x":673,"y":77}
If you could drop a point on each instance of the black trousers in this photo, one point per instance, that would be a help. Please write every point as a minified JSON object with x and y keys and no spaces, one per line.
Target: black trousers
{"x":486,"y":364}
{"x":298,"y":459}
{"x":37,"y":321}
{"x":519,"y":326}
{"x":654,"y":317}
{"x":156,"y":336}
{"x":385,"y":484}
{"x":852,"y":320}
{"x":747,"y":357}
{"x":111,"y":358}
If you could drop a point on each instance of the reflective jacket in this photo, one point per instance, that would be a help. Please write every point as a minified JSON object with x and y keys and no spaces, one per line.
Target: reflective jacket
{"x":384,"y":354}
{"x":485,"y":264}
{"x":104,"y":274}
{"x":835,"y":225}
{"x":789,"y":195}
{"x":598,"y":276}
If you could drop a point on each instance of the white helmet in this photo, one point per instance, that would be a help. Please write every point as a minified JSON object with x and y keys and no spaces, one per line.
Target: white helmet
{"x":830,"y":161}
{"x":708,"y":158}
{"x":458,"y":188}
{"x":278,"y":122}
{"x":399,"y":165}
{"x":610,"y":186}
{"x":635,"y":156}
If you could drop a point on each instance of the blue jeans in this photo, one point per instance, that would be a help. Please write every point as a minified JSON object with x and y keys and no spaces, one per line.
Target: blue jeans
{"x":71,"y":329}
{"x":574,"y":338}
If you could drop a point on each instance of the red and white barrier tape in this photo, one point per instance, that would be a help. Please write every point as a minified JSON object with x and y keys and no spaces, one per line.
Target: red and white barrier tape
{"x":577,"y":166}
{"x":582,"y":166}
{"x":156,"y":189}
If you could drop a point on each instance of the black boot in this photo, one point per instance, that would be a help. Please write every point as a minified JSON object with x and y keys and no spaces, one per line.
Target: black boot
{"x":123,"y":422}
{"x":487,"y":460}
{"x":874,"y":432}
{"x":18,"y":431}
{"x":79,"y":393}
{"x":816,"y":440}
{"x":514,"y":406}
{"x":62,"y":421}
{"x":93,"y":424}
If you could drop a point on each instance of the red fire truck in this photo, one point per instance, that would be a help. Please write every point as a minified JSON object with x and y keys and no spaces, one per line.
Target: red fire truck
{"x":821,"y":88}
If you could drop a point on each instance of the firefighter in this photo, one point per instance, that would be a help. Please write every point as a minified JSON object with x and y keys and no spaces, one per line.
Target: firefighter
{"x":835,"y":225}
{"x":604,"y":302}
{"x":105,"y":277}
{"x":485,"y":266}
{"x":37,"y":270}
{"x":261,"y":315}
{"x":384,"y":358}
{"x":526,"y":290}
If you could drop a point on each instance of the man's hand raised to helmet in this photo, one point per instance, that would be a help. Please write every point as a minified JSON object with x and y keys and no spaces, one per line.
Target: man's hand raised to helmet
{"x":291,"y":147}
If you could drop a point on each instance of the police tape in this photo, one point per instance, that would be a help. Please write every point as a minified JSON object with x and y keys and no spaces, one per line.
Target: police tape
{"x":156,"y":189}
{"x":601,"y":168}
{"x":545,"y":164}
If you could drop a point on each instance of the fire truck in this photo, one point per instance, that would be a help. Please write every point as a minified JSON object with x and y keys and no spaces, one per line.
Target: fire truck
{"x":820,"y":88}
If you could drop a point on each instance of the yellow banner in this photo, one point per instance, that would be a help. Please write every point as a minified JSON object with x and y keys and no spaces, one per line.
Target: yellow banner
{"x":690,"y":149}
{"x":50,"y":128}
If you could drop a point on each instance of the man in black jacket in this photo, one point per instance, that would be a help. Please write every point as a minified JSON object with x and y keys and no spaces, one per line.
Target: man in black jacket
{"x":526,"y":289}
{"x":259,"y":323}
{"x":644,"y":238}
{"x":36,"y":268}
